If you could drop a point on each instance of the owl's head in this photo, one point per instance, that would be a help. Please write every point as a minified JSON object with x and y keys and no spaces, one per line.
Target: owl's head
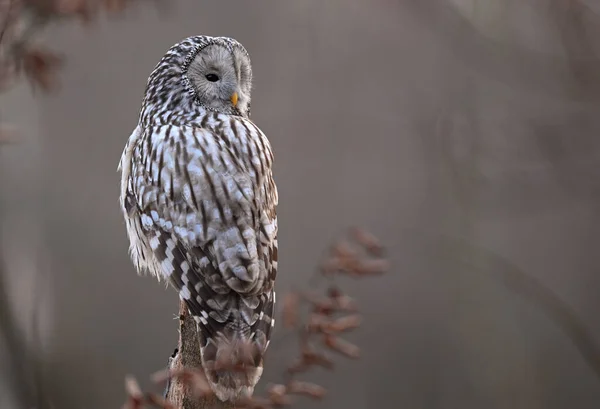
{"x":220,"y":75}
{"x":212,"y":73}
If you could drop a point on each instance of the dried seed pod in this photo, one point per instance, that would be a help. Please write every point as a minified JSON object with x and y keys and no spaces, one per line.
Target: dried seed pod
{"x":317,"y":323}
{"x":278,"y":395}
{"x":342,"y":346}
{"x":345,"y":323}
{"x":115,"y":6}
{"x":135,"y":398}
{"x":80,"y":9}
{"x":40,"y":68}
{"x":297,"y":366}
{"x":290,"y":309}
{"x":372,"y":267}
{"x":345,"y":303}
{"x":163,"y":375}
{"x":368,"y":241}
{"x":325,"y":306}
{"x":334,"y":292}
{"x":312,"y":358}
{"x":132,"y":387}
{"x":8,"y":134}
{"x":331,"y":265}
{"x":350,"y":266}
{"x":343,"y":249}
{"x":341,"y":302}
{"x":306,"y":388}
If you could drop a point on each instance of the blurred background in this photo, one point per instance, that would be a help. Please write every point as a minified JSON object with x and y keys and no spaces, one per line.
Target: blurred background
{"x":463,"y":133}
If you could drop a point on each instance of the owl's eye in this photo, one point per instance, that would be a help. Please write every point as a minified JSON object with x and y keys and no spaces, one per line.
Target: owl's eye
{"x":212,"y":77}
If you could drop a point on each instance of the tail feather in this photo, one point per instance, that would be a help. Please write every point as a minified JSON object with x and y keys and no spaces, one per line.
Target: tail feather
{"x":228,"y":322}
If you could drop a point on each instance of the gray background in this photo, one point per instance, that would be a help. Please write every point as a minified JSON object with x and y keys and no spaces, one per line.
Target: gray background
{"x":463,"y":134}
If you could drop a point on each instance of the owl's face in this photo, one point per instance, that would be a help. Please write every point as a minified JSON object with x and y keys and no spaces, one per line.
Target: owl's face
{"x":222,"y":79}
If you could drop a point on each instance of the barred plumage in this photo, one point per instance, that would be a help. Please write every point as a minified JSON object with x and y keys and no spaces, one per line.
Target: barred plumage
{"x":199,"y":199}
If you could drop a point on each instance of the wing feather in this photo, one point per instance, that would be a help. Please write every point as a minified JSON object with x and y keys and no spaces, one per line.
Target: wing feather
{"x":208,"y":212}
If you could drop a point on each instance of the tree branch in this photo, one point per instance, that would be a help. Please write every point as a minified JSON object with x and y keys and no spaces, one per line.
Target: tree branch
{"x":188,"y":356}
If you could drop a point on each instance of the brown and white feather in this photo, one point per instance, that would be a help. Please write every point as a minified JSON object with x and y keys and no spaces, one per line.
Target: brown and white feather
{"x":199,"y":202}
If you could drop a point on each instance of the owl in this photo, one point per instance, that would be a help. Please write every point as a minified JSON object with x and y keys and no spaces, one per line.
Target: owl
{"x":199,"y":201}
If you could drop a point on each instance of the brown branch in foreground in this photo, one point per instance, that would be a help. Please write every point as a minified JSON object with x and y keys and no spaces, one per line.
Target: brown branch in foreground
{"x":22,"y":58}
{"x":328,"y":316}
{"x":20,"y":20}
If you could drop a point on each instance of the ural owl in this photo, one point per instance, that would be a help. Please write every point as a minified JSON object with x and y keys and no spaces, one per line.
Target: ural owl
{"x":199,"y":200}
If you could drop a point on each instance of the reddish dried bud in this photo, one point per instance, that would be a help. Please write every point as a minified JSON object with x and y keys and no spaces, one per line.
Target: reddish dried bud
{"x":306,"y":388}
{"x":161,"y":376}
{"x":135,"y":398}
{"x":317,"y":323}
{"x":278,"y":395}
{"x":311,"y":357}
{"x":296,"y":367}
{"x":345,"y":303}
{"x":81,"y":9}
{"x":8,"y":134}
{"x":40,"y":67}
{"x":325,"y":306}
{"x":343,"y":250}
{"x":368,"y":241}
{"x":115,"y":6}
{"x":331,"y":265}
{"x":342,"y":346}
{"x":373,"y":267}
{"x":290,"y":310}
{"x":334,"y":292}
{"x":132,"y":387}
{"x":345,"y":323}
{"x":8,"y":73}
{"x":341,"y":302}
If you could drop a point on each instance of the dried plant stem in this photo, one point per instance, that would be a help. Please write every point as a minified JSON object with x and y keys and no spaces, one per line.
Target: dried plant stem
{"x":559,"y":312}
{"x":330,"y":314}
{"x":531,"y":289}
{"x":188,"y":356}
{"x":17,"y":354}
{"x":6,"y":20}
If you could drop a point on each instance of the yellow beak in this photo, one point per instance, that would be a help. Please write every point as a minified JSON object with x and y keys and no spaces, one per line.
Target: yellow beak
{"x":234,"y":99}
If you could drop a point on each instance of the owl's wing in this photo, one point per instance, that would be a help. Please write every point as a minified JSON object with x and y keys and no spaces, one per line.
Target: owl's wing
{"x":210,"y":221}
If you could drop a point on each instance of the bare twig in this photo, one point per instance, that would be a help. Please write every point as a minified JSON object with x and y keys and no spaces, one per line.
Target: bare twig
{"x":21,"y":57}
{"x":7,"y":19}
{"x":533,"y":290}
{"x":17,"y":353}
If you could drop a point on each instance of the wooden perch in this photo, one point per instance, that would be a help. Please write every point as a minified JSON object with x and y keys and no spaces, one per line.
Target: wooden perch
{"x":188,"y":356}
